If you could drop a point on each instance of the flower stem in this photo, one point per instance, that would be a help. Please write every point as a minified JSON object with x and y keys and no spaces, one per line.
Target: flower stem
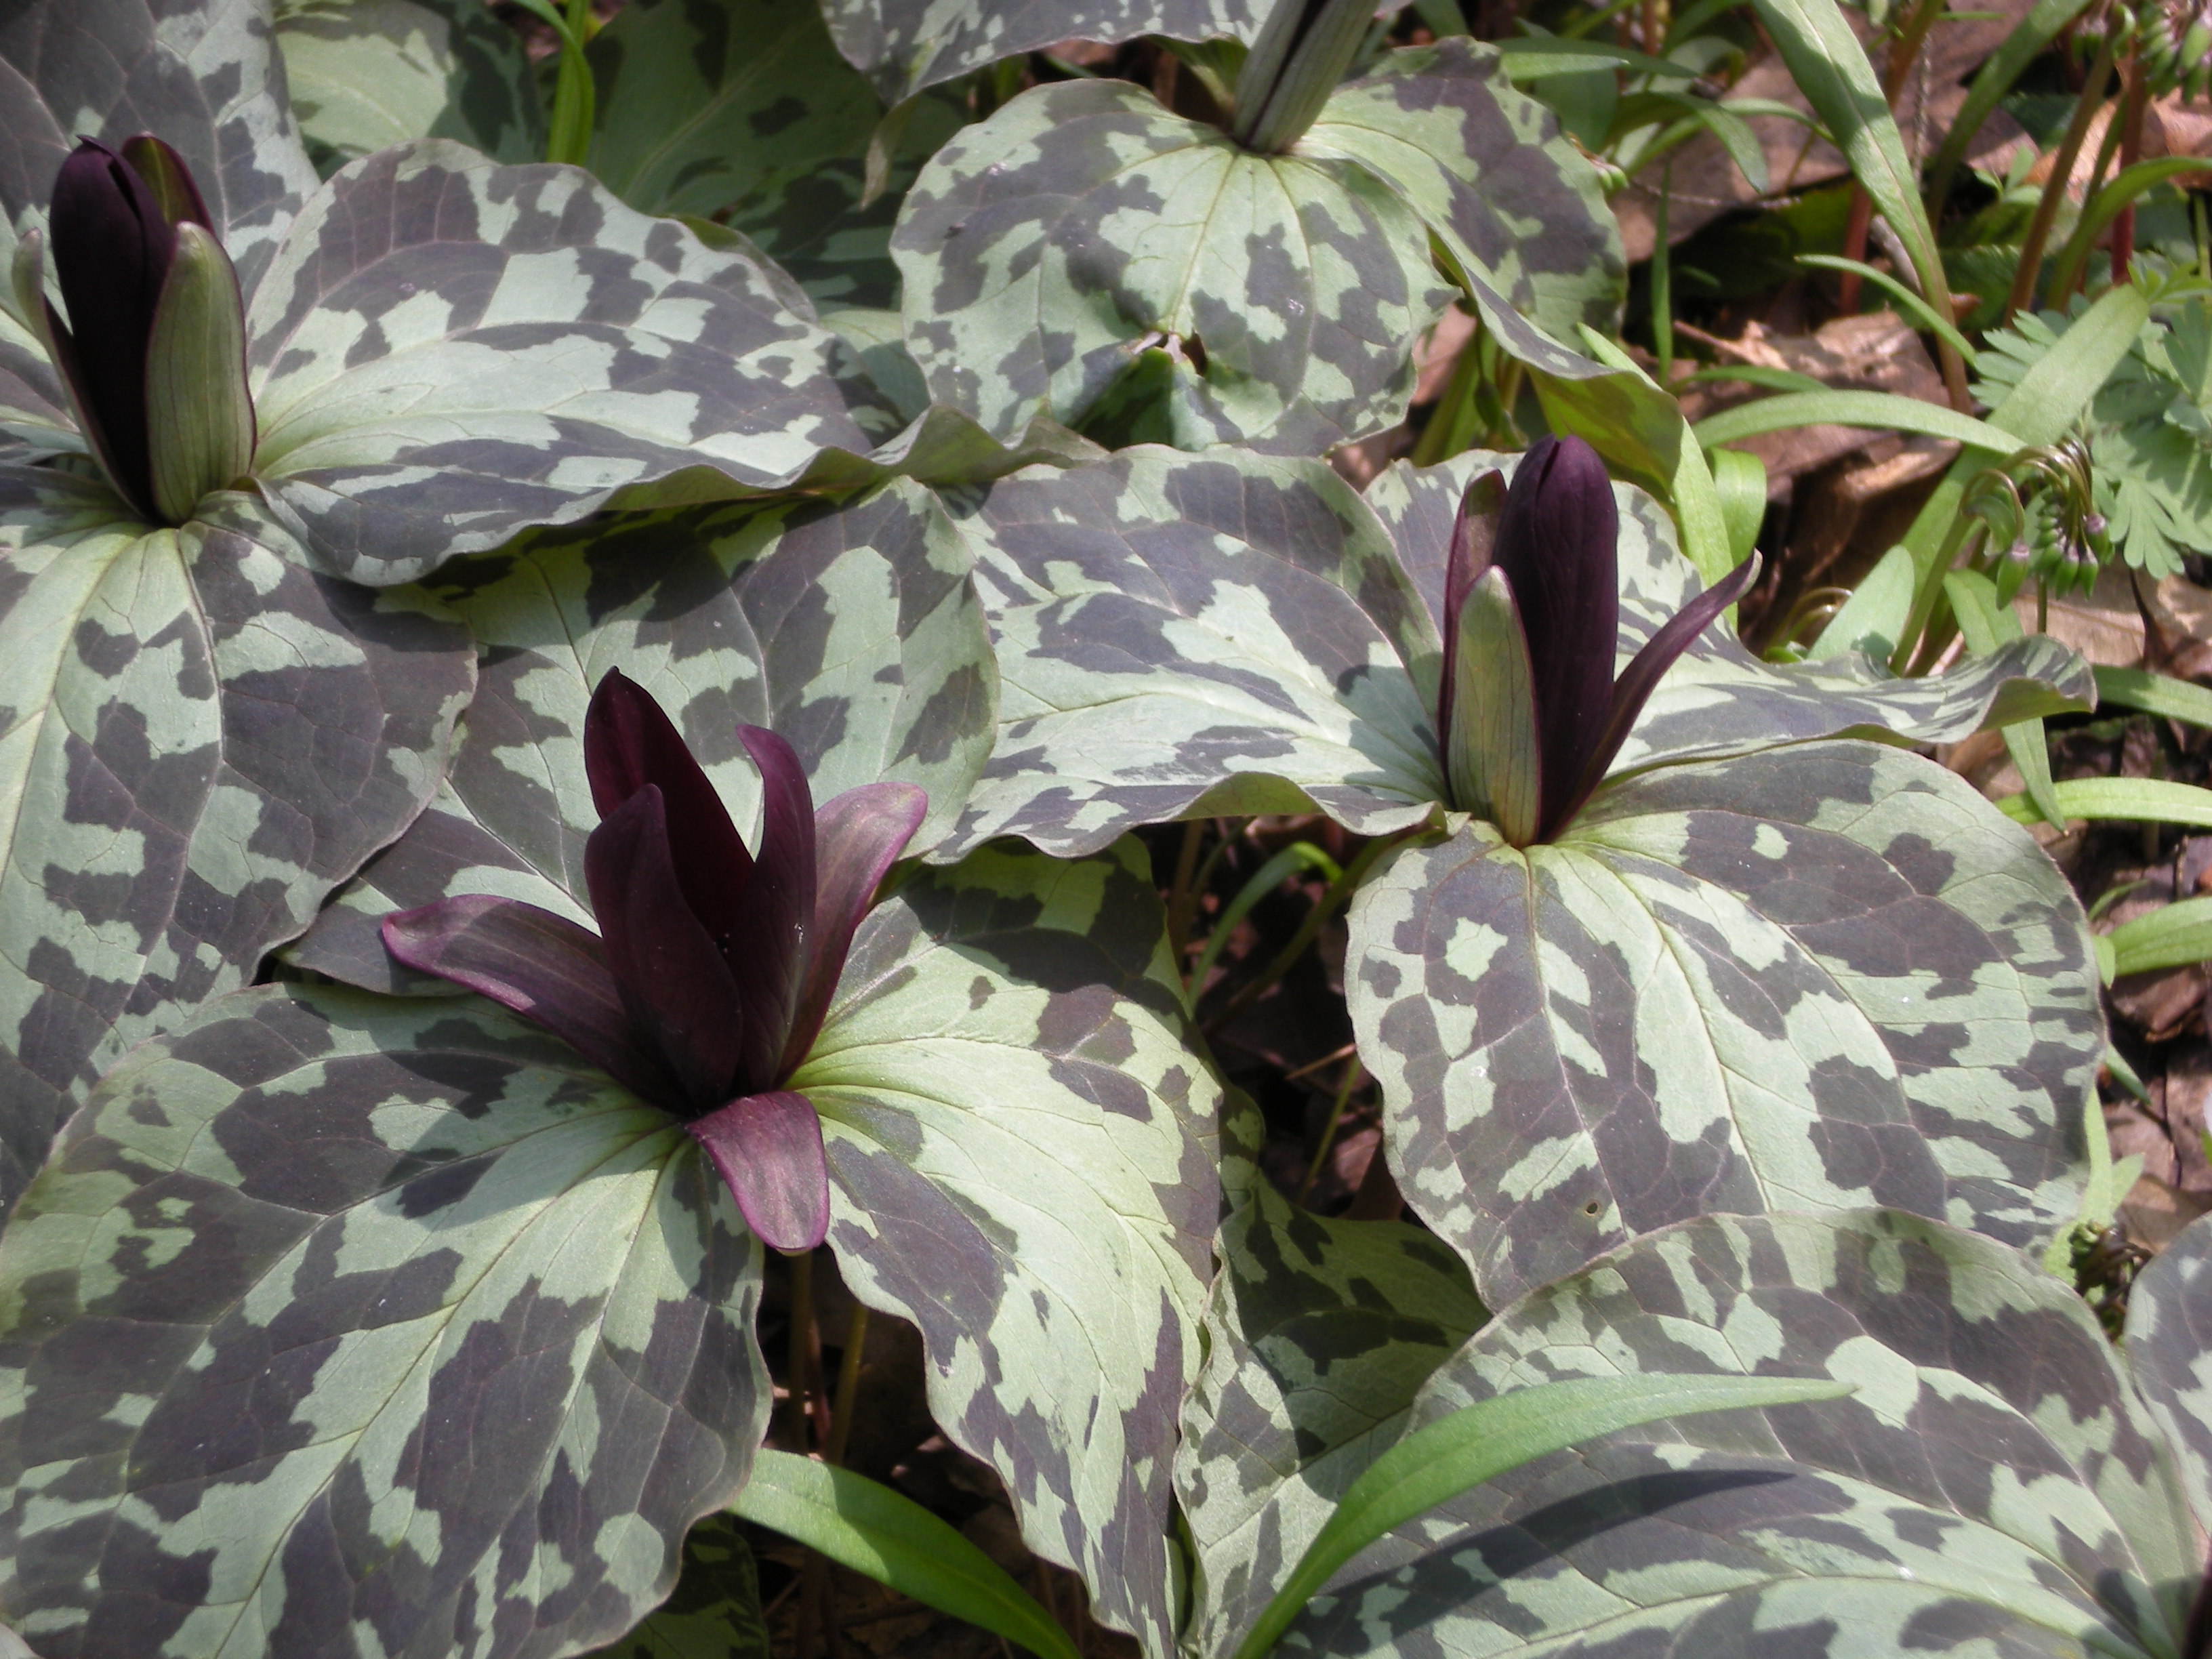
{"x":2061,"y":169}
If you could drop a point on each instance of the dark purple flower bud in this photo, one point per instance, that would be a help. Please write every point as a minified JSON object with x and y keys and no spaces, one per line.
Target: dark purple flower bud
{"x":714,"y":965}
{"x":153,"y":352}
{"x":1544,"y":641}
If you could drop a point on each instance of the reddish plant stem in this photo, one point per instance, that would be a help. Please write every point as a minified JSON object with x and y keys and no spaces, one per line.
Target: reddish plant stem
{"x":2134,"y":105}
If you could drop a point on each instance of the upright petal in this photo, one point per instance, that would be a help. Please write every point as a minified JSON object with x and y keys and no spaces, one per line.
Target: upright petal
{"x":629,"y":742}
{"x":1473,"y":539}
{"x":111,"y":245}
{"x":1642,"y":677}
{"x":1557,"y":542}
{"x":857,"y":837}
{"x":541,"y":966}
{"x":768,"y":1150}
{"x":672,"y":980}
{"x":769,"y":956}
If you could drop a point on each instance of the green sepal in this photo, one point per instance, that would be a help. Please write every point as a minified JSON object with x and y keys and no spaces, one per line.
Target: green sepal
{"x":1302,"y":52}
{"x":1490,"y":753}
{"x":199,"y":415}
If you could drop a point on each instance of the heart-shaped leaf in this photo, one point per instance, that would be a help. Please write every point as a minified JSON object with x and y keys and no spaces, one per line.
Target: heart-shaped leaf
{"x":446,"y":352}
{"x":1825,"y":975}
{"x":904,"y":45}
{"x":1319,"y":1333}
{"x":1995,"y":1485}
{"x":1023,"y":1159}
{"x":365,"y":74}
{"x":452,"y":1340}
{"x":430,"y":1306}
{"x":203,"y":740}
{"x":1180,"y":635}
{"x":1719,"y":699}
{"x":851,"y":630}
{"x":1082,"y":219}
{"x":1485,"y":167}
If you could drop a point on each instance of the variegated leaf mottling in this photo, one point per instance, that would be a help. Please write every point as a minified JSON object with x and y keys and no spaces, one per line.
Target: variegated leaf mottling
{"x":202,"y":74}
{"x":1181,"y":634}
{"x":2169,"y":1339}
{"x":716,"y":1612}
{"x":702,"y":103}
{"x":1994,"y":1490}
{"x":368,"y":74}
{"x":904,"y":45}
{"x":1719,"y":699}
{"x":1318,"y":1334}
{"x":357,"y":1326}
{"x":1044,"y":248}
{"x":1024,"y":1162}
{"x":198,"y":740}
{"x":1829,"y":974}
{"x":446,"y":351}
{"x":1488,"y":168}
{"x":851,"y":630}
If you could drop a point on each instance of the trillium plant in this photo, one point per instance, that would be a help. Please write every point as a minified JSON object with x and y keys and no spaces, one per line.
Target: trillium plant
{"x":708,"y":984}
{"x":615,"y":670}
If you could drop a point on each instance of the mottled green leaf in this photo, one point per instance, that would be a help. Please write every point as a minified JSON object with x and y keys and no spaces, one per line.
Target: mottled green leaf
{"x":199,"y":739}
{"x":363,"y":1325}
{"x":1083,"y":221}
{"x":202,"y":74}
{"x":716,"y":1612}
{"x":1487,"y":169}
{"x":1318,"y":1334}
{"x":446,"y":352}
{"x":701,"y":103}
{"x":1829,"y":974}
{"x":852,"y":630}
{"x":1180,"y":635}
{"x":903,"y":45}
{"x":2169,"y":1340}
{"x":1994,"y":1487}
{"x":366,"y":74}
{"x":1719,"y":699}
{"x":1022,"y":1142}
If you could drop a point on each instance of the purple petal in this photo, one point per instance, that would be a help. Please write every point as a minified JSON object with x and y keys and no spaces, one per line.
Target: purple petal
{"x":1558,"y":543}
{"x":857,"y":837}
{"x":542,"y":967}
{"x":111,"y":245}
{"x":629,"y":742}
{"x":672,"y":980}
{"x":1474,"y":533}
{"x":768,"y":1150}
{"x":777,"y":905}
{"x":1642,"y":677}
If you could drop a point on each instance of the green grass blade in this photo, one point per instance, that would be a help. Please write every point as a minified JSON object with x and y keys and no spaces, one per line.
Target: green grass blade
{"x":2149,"y":800}
{"x":2172,"y":936}
{"x":2154,"y":694}
{"x":887,"y":1536}
{"x":1830,"y":407}
{"x":1995,"y":79}
{"x":1919,"y":309}
{"x":1485,"y":1441}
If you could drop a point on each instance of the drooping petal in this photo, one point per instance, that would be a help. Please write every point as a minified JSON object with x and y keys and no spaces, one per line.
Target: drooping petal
{"x":672,"y":980}
{"x":1473,"y":537}
{"x":628,"y":743}
{"x":1642,"y":677}
{"x":111,"y":245}
{"x":770,"y":955}
{"x":858,"y":835}
{"x":768,"y":1150}
{"x":540,"y":965}
{"x":1558,"y":542}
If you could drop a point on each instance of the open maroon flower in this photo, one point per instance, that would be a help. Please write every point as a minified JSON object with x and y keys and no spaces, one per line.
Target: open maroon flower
{"x":707,"y":983}
{"x":1530,"y":715}
{"x":154,"y":349}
